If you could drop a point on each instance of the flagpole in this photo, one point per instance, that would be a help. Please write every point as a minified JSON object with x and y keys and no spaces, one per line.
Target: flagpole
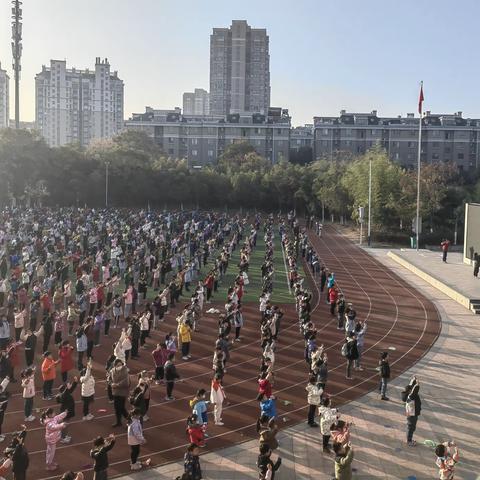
{"x":417,"y":224}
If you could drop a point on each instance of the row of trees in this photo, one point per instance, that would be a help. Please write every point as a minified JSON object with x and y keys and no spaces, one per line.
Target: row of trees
{"x":33,"y":173}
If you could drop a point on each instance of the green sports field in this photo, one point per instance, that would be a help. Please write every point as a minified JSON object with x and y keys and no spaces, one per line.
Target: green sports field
{"x":253,"y":290}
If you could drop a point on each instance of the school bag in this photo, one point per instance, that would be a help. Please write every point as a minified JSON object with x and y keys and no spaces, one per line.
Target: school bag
{"x":410,"y":407}
{"x":344,"y":350}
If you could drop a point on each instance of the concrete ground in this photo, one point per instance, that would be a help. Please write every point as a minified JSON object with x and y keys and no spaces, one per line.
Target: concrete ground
{"x":454,"y":273}
{"x":450,"y":410}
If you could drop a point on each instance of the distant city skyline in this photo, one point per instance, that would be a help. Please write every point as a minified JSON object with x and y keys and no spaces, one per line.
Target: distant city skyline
{"x":324,"y":56}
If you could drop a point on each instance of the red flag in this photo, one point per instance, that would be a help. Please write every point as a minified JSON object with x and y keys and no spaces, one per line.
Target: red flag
{"x":420,"y":99}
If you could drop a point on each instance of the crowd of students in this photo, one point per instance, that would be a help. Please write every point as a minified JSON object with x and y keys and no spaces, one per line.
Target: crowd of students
{"x":70,"y":277}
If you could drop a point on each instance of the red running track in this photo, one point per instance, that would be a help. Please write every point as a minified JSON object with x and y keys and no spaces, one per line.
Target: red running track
{"x":398,"y":316}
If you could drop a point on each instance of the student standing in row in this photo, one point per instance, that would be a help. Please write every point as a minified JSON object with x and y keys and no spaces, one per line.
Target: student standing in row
{"x":135,"y":438}
{"x":88,"y":390}
{"x":217,"y":397}
{"x":171,"y":376}
{"x":99,"y":453}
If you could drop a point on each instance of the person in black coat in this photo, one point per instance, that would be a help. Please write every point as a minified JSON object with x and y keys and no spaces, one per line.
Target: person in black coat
{"x":192,"y":463}
{"x":47,"y":324}
{"x":99,"y":453}
{"x":384,"y":370}
{"x":351,"y":353}
{"x":135,"y":336}
{"x":265,"y":463}
{"x":19,"y":454}
{"x":411,"y":394}
{"x":171,"y":376}
{"x":67,"y":403}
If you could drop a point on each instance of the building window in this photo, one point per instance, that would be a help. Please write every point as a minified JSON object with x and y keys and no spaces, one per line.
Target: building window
{"x":460,"y":156}
{"x":325,"y":131}
{"x":170,"y":151}
{"x":194,"y":141}
{"x":194,"y":153}
{"x":435,"y":156}
{"x":210,"y":153}
{"x":170,"y":139}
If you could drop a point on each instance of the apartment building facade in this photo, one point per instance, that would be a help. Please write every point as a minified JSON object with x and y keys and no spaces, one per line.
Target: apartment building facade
{"x":445,"y":137}
{"x":201,"y":140}
{"x":78,"y":106}
{"x":4,"y":98}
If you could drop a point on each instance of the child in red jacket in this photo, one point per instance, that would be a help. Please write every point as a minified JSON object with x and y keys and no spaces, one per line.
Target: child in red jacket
{"x":195,"y":431}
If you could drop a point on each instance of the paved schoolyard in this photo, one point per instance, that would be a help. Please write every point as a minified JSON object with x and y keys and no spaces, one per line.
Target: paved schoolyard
{"x":454,"y":273}
{"x":451,"y":410}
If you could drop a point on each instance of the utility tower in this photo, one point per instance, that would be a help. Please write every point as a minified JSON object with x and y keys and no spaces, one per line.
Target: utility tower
{"x":17,"y":54}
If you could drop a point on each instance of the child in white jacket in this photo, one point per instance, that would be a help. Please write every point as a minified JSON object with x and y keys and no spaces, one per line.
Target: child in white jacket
{"x":88,"y":390}
{"x":217,"y":397}
{"x":135,"y":438}
{"x":28,"y":385}
{"x":328,"y":416}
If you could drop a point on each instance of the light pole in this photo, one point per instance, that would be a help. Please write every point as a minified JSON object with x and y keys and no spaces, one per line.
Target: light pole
{"x":369,"y":199}
{"x":17,"y":54}
{"x":419,"y":166}
{"x":107,"y":163}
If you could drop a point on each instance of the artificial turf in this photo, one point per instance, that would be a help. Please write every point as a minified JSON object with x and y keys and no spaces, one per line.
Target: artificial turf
{"x":253,"y":290}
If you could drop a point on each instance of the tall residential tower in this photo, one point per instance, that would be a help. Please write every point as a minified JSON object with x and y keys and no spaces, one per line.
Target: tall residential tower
{"x":78,"y":106}
{"x":4,"y":98}
{"x":196,"y":103}
{"x":239,"y":70}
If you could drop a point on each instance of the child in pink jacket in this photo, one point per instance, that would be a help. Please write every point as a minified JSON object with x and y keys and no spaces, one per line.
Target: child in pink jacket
{"x":54,"y":425}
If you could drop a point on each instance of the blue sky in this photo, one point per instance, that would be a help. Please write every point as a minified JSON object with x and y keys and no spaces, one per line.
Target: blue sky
{"x":325,"y":55}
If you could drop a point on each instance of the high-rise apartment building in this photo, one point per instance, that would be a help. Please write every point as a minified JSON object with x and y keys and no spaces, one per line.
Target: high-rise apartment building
{"x":196,"y":103}
{"x":78,"y":105}
{"x":4,"y":98}
{"x":445,"y":137}
{"x":239,"y":70}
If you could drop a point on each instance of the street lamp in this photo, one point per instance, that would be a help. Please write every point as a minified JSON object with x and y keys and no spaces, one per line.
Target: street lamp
{"x":107,"y":164}
{"x":369,"y":199}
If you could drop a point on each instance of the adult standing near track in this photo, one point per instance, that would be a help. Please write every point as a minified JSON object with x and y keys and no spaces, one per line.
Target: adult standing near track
{"x":120,"y":383}
{"x":445,"y":246}
{"x":413,"y":407}
{"x":384,"y":375}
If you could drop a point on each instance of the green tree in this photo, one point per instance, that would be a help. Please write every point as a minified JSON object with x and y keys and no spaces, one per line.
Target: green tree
{"x":327,"y":185}
{"x":385,"y":186}
{"x":241,"y":156}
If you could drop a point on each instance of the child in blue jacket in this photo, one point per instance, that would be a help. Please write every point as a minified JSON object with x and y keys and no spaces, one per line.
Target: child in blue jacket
{"x":268,"y":406}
